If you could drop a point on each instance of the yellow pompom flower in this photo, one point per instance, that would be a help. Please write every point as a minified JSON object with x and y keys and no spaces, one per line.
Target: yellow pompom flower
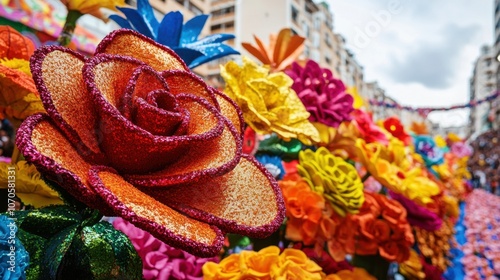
{"x":334,"y":178}
{"x":268,"y":102}
{"x":30,"y":187}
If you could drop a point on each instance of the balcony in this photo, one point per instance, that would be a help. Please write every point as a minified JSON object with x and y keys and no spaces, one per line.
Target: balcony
{"x":217,"y":19}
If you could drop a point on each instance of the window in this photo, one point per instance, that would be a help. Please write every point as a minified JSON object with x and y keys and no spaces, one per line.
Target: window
{"x":315,"y":40}
{"x":223,"y":11}
{"x":295,"y":14}
{"x":488,"y":61}
{"x":328,"y":39}
{"x":317,"y":23}
{"x":305,"y":29}
{"x":197,"y":11}
{"x":306,"y":51}
{"x":328,"y":60}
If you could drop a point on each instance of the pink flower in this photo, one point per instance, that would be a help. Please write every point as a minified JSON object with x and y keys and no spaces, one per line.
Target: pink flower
{"x":461,"y":149}
{"x":159,"y":260}
{"x":368,"y":129}
{"x":322,"y":95}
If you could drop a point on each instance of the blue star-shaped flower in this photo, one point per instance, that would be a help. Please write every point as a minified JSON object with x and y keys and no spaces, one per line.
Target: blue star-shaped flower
{"x":171,"y":32}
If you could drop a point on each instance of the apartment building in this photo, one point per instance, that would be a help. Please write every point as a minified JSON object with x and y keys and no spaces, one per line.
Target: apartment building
{"x":482,"y":84}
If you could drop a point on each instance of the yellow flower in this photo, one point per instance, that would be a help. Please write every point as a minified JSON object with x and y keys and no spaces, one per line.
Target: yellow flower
{"x":453,"y":138}
{"x":268,"y":102}
{"x":412,"y":268}
{"x":294,"y":264}
{"x":258,"y":264}
{"x":440,"y":142}
{"x":418,"y":187}
{"x":333,"y":177}
{"x":30,"y":187}
{"x":228,"y":268}
{"x":340,"y":141}
{"x":358,"y":100}
{"x":355,"y":274}
{"x":92,"y":6}
{"x":451,"y":206}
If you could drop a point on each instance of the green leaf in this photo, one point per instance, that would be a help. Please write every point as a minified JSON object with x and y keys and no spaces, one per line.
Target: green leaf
{"x":55,"y":251}
{"x":101,"y":252}
{"x":48,"y":221}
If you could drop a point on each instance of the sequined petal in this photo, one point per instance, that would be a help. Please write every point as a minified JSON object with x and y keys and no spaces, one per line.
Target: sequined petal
{"x":104,"y":78}
{"x":49,"y":150}
{"x":246,"y":200}
{"x":130,"y":43}
{"x":147,"y":213}
{"x":57,"y":73}
{"x":230,"y":110}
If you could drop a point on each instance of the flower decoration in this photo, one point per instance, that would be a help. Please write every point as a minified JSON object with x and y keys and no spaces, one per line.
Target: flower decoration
{"x":268,"y":103}
{"x":418,"y":215}
{"x":133,"y":133}
{"x":323,"y":96}
{"x":19,"y":97}
{"x":368,"y":129}
{"x":354,"y":274}
{"x":273,"y":164}
{"x":171,"y":32}
{"x":380,"y":227}
{"x":412,"y":268}
{"x":395,"y":128}
{"x":323,"y":259}
{"x":304,"y":209}
{"x":14,"y":259}
{"x":30,"y":187}
{"x":461,"y":149}
{"x":434,"y":245}
{"x":426,"y":147}
{"x":282,"y":51}
{"x":159,"y":260}
{"x":92,"y":7}
{"x":267,"y":263}
{"x":340,"y":141}
{"x":419,"y":128}
{"x":334,"y":178}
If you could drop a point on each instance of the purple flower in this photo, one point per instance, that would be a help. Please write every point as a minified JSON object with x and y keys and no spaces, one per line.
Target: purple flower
{"x":461,"y":149}
{"x":417,"y":215}
{"x":159,"y":260}
{"x":322,"y":95}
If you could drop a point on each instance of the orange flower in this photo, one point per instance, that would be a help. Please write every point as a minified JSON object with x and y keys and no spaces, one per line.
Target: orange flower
{"x":304,"y":208}
{"x":356,"y":274}
{"x":340,"y":141}
{"x":227,"y":269}
{"x":394,"y":251}
{"x":282,"y":51}
{"x":420,"y":128}
{"x":14,"y":45}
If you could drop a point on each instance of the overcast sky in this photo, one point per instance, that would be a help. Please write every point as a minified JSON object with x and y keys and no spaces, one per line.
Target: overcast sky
{"x":420,"y":51}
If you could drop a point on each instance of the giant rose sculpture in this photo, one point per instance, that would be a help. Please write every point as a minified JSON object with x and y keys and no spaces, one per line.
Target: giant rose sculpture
{"x":133,"y":133}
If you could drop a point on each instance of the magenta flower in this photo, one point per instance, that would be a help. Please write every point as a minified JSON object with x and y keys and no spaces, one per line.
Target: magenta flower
{"x":322,"y":95}
{"x":159,"y":260}
{"x":461,"y":149}
{"x":417,"y":215}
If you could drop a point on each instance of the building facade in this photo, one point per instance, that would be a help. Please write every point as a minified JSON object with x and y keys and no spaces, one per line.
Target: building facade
{"x":482,"y":84}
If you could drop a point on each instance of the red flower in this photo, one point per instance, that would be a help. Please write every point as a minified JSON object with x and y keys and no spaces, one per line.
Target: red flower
{"x":394,"y":127}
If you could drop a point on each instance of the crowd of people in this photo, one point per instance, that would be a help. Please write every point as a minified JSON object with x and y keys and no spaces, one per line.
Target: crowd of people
{"x":485,"y":162}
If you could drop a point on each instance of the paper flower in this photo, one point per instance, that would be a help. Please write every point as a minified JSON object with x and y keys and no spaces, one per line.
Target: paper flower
{"x":133,"y":133}
{"x":268,"y":263}
{"x":461,"y":149}
{"x":267,"y":101}
{"x":92,"y":7}
{"x":171,"y":32}
{"x":159,"y":260}
{"x":273,"y":164}
{"x":395,"y":128}
{"x":418,"y":215}
{"x":304,"y":209}
{"x":327,"y":263}
{"x":13,"y":263}
{"x":341,"y":141}
{"x":426,"y":147}
{"x":367,"y":128}
{"x":282,"y":51}
{"x":323,"y":96}
{"x":355,"y":274}
{"x":18,"y":95}
{"x":30,"y":187}
{"x":412,"y":268}
{"x":419,"y":128}
{"x":334,"y":178}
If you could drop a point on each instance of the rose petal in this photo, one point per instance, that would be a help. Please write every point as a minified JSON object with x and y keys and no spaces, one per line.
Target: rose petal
{"x":57,"y":159}
{"x":104,"y":78}
{"x":230,"y":110}
{"x":187,"y":82}
{"x":125,"y":42}
{"x":57,"y":73}
{"x":160,"y":220}
{"x":246,"y":200}
{"x":209,"y":158}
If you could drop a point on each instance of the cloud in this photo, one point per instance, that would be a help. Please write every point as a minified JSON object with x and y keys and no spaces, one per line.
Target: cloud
{"x":434,"y":65}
